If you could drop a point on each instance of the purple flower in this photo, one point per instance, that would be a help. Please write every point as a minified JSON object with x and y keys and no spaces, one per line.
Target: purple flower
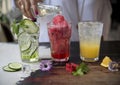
{"x":45,"y":65}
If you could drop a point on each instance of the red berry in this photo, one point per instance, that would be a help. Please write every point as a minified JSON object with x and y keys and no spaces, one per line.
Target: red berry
{"x":58,"y":19}
{"x":70,"y":67}
{"x":74,"y":66}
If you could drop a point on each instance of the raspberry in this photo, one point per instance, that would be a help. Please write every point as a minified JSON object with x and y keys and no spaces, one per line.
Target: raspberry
{"x":58,"y":19}
{"x":70,"y":67}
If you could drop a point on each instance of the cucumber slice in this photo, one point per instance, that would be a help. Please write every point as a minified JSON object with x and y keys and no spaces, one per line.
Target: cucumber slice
{"x":15,"y":66}
{"x":30,"y":26}
{"x":24,"y":41}
{"x":6,"y":68}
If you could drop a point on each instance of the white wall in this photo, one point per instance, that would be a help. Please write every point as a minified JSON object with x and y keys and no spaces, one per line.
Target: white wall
{"x":6,"y":6}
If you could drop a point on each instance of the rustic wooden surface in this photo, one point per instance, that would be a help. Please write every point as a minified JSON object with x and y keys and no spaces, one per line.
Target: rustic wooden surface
{"x":97,"y":75}
{"x":58,"y":76}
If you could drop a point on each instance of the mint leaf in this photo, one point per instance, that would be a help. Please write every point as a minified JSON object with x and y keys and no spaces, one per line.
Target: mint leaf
{"x":78,"y":72}
{"x":81,"y":69}
{"x":15,"y":27}
{"x":18,"y":25}
{"x":22,"y":24}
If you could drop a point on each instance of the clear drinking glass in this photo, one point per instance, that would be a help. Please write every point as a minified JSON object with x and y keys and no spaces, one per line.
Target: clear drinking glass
{"x":89,"y":38}
{"x":28,"y":43}
{"x":59,"y":36}
{"x":46,"y":14}
{"x":45,"y":9}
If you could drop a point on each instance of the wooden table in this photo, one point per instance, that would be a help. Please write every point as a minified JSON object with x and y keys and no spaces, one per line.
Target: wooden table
{"x":97,"y":75}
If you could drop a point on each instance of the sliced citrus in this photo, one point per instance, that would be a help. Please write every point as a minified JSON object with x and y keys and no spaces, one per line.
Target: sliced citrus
{"x":30,"y":26}
{"x":6,"y":68}
{"x":30,"y":51}
{"x":106,"y":61}
{"x":24,"y":41}
{"x":15,"y":66}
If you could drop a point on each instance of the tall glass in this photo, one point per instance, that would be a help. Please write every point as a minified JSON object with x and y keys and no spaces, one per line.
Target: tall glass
{"x":46,"y":14}
{"x":59,"y":41}
{"x":90,"y":37}
{"x":28,"y":43}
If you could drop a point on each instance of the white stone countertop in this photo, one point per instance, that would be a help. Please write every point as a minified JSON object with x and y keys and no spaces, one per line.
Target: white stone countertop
{"x":9,"y":52}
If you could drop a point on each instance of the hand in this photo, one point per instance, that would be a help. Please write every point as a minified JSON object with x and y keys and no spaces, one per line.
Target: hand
{"x":27,"y":6}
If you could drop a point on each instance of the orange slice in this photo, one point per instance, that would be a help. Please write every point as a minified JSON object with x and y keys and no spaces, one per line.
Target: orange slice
{"x":106,"y":61}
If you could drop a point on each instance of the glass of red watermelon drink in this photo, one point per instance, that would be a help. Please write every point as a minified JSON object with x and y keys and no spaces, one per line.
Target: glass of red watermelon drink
{"x":59,"y":31}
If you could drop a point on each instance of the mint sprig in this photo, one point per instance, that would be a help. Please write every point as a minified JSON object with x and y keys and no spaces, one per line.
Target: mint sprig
{"x":81,"y":70}
{"x":17,"y":25}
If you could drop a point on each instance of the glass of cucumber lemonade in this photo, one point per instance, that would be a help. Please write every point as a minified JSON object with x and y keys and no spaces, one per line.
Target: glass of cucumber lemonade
{"x":27,"y":33}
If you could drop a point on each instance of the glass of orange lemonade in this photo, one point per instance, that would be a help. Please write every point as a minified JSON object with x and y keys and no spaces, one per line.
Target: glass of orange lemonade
{"x":89,"y":38}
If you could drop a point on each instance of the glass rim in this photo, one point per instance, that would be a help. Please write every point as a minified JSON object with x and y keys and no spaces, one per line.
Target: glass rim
{"x":58,"y":25}
{"x":39,"y":4}
{"x":89,"y":21}
{"x":51,"y":23}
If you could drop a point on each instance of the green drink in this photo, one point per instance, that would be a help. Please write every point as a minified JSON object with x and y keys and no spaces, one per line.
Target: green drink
{"x":27,"y":35}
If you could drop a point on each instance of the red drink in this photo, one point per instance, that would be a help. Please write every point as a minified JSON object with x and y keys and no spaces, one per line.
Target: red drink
{"x":59,"y":32}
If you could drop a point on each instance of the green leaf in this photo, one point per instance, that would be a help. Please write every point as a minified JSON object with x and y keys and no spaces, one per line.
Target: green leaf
{"x":15,"y":27}
{"x":78,"y":72}
{"x":22,"y":24}
{"x":25,"y":25}
{"x":81,"y":69}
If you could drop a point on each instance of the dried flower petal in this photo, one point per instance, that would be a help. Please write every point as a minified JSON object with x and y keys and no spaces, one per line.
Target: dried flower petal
{"x":45,"y":65}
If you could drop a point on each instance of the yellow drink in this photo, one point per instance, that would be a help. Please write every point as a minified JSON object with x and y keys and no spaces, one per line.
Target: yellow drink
{"x":89,"y":50}
{"x":90,"y":37}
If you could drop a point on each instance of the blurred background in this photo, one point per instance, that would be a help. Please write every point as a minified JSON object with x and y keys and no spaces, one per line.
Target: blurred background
{"x":9,"y":13}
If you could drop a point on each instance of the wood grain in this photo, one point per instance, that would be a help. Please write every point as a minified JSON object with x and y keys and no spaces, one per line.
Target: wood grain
{"x":97,"y":75}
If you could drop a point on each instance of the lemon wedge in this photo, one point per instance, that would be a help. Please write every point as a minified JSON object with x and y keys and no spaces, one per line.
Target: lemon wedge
{"x":105,"y":62}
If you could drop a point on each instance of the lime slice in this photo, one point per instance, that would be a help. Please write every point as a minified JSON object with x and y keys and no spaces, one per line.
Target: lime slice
{"x":24,"y":41}
{"x":15,"y":66}
{"x":30,"y":26}
{"x":6,"y":68}
{"x":31,"y":52}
